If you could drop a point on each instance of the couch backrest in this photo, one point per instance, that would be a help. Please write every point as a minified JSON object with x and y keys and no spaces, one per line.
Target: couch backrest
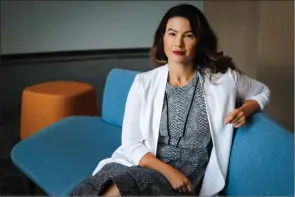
{"x":262,"y":160}
{"x":115,"y":94}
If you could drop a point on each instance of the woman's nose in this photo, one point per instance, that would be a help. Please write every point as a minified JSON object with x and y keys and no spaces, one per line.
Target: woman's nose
{"x":179,"y":42}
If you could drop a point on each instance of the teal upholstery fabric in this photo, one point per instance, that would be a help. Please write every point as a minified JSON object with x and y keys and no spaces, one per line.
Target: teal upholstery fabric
{"x":262,"y":160}
{"x":115,"y":95}
{"x":65,"y":153}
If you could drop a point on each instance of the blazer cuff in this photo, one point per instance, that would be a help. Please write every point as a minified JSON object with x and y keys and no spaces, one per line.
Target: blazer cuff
{"x":138,"y":154}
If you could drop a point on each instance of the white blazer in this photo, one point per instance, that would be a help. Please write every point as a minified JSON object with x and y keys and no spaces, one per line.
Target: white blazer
{"x":140,"y":129}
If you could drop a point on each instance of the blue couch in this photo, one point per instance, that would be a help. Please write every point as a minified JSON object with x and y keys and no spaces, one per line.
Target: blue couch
{"x":60,"y":156}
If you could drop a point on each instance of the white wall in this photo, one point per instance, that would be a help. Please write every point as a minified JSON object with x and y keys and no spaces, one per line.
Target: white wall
{"x":42,"y":26}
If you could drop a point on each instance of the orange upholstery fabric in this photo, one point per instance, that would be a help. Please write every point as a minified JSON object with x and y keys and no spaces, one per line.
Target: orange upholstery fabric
{"x":45,"y":103}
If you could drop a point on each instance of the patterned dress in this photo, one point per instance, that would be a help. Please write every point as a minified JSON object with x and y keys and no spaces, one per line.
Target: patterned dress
{"x":184,"y":143}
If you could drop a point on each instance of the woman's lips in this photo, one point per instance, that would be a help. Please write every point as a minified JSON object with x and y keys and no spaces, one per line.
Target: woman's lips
{"x":178,"y":52}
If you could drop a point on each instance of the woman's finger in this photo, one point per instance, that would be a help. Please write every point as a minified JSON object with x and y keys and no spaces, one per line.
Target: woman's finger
{"x":189,"y":187}
{"x":239,"y":123}
{"x":239,"y":116}
{"x":184,"y":189}
{"x":231,"y":116}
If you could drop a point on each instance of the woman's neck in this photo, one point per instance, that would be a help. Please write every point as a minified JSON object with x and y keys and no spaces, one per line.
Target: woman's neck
{"x":180,"y":75}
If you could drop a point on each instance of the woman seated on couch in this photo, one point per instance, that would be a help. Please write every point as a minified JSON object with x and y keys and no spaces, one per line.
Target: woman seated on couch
{"x":179,"y":117}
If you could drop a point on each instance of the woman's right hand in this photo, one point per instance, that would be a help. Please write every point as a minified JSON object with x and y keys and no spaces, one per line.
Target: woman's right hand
{"x":177,"y":180}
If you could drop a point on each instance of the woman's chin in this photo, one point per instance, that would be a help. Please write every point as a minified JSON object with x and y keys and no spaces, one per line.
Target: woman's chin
{"x":178,"y":60}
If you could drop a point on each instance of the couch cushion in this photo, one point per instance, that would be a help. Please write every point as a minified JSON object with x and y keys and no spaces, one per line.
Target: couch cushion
{"x":60,"y":156}
{"x":115,"y":94}
{"x":262,"y":160}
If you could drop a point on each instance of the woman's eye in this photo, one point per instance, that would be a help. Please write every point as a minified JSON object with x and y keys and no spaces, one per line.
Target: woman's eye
{"x":189,"y":36}
{"x":171,"y":34}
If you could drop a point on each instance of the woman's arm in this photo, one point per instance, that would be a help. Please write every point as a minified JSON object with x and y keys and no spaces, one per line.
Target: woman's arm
{"x":255,"y":96}
{"x":132,"y":139}
{"x":250,"y":107}
{"x":251,"y":89}
{"x":239,"y":116}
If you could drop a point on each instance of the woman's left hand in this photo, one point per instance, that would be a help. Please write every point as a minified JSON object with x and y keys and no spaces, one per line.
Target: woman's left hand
{"x":236,"y":117}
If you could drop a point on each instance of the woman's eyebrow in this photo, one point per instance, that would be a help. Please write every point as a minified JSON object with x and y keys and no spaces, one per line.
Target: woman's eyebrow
{"x":170,"y":29}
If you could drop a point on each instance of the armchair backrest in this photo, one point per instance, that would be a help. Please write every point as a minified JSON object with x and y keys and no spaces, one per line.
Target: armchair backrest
{"x":116,"y":90}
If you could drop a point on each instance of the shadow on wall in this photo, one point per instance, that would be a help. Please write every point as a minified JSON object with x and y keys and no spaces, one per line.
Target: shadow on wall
{"x":280,"y":80}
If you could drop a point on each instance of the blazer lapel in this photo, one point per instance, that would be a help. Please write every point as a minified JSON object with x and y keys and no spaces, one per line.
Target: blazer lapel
{"x":213,"y":179}
{"x":159,"y":92}
{"x":218,"y":104}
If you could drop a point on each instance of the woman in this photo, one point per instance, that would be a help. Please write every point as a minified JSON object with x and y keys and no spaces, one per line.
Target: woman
{"x":179,"y":118}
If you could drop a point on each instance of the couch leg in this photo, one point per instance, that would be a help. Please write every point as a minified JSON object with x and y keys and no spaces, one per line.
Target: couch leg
{"x":31,"y":187}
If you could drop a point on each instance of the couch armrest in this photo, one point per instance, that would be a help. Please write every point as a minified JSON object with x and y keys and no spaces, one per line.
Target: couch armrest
{"x":262,"y":159}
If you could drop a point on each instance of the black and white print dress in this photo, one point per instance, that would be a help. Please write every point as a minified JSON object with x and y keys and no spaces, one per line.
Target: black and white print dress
{"x":184,"y":143}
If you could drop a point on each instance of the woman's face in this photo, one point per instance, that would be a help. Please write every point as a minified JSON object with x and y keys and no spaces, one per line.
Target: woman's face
{"x":179,"y":41}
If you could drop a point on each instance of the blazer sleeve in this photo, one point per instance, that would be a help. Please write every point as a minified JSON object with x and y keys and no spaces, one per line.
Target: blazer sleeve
{"x":132,"y":139}
{"x":251,"y":89}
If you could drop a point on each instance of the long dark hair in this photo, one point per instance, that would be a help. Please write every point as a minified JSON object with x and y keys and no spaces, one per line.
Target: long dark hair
{"x":207,"y":56}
